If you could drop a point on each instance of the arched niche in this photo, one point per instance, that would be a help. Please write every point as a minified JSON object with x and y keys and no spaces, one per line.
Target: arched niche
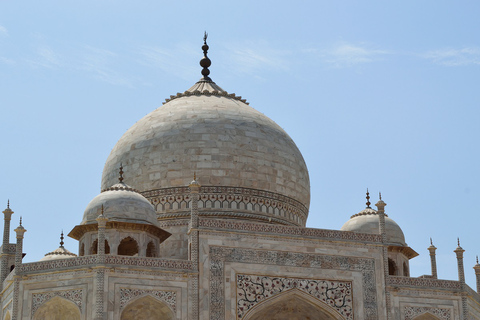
{"x":94,"y":248}
{"x":151,"y":250}
{"x":57,"y":308}
{"x":128,"y":247}
{"x":292,"y":305}
{"x":146,"y":308}
{"x":8,"y":316}
{"x":426,"y":316}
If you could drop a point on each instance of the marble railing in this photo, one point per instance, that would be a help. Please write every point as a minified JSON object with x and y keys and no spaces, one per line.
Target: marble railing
{"x":289,"y":230}
{"x":110,"y":261}
{"x":425,"y":283}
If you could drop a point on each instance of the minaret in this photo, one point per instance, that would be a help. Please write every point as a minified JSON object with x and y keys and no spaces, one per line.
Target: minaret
{"x":193,"y":245}
{"x":477,"y":275}
{"x":381,"y":216}
{"x":461,"y":272}
{"x":100,"y":269}
{"x":193,"y":232}
{"x":6,"y":241}
{"x":18,"y":264}
{"x":433,"y":260}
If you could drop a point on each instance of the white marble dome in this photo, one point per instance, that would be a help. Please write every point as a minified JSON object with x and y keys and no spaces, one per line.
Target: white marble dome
{"x":120,"y":203}
{"x":225,"y":141}
{"x":367,"y":221}
{"x":59,"y":253}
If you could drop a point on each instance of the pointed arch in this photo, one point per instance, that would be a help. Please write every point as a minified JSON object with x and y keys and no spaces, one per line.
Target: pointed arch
{"x":426,"y":316}
{"x":57,"y":308}
{"x":146,"y":308}
{"x":8,"y":316}
{"x":94,"y":247}
{"x":292,"y":305}
{"x":128,"y":247}
{"x":151,"y":250}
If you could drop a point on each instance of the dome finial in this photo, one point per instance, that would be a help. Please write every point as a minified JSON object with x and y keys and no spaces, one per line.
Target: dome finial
{"x":61,"y":240}
{"x":431,"y":242}
{"x":205,"y":61}
{"x":120,"y":178}
{"x":368,"y":199}
{"x":8,"y":204}
{"x":380,"y":195}
{"x":194,"y":175}
{"x":20,"y":221}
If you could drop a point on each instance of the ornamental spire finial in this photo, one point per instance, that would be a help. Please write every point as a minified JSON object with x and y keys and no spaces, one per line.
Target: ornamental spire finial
{"x":380,"y":195}
{"x":205,"y":61}
{"x":8,"y":204}
{"x":431,"y":242}
{"x":61,"y":240}
{"x":120,"y":178}
{"x":20,"y":221}
{"x":368,"y":199}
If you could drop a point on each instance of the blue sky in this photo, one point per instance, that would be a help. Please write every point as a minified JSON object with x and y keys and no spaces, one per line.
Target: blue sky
{"x":376,"y":94}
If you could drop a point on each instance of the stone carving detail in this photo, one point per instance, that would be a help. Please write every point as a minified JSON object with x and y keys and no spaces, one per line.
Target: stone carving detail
{"x":220,"y":255}
{"x":425,"y":282}
{"x":252,"y":290}
{"x":175,"y":202}
{"x":412,"y":312}
{"x":127,"y":294}
{"x":288,"y":230}
{"x":110,"y":260}
{"x":73,"y":295}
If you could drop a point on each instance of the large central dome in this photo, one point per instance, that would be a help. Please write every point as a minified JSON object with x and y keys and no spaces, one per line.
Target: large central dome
{"x":248,"y":166}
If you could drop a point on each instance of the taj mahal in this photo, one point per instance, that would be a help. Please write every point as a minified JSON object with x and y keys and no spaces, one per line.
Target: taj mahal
{"x":202,"y":216}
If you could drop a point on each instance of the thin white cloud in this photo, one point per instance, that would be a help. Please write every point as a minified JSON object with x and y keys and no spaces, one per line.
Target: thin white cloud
{"x":253,"y":56}
{"x":3,"y":31}
{"x":176,"y":61}
{"x":7,"y":61}
{"x":98,"y":62}
{"x":347,"y":55}
{"x":455,"y":57}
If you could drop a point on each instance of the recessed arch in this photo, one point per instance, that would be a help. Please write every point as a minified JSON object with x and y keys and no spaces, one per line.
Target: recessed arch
{"x":146,"y":308}
{"x":426,"y":316}
{"x":293,"y":305}
{"x":392,"y":267}
{"x":57,"y":308}
{"x":94,"y":247}
{"x":128,"y":247}
{"x":8,"y":316}
{"x":151,"y":250}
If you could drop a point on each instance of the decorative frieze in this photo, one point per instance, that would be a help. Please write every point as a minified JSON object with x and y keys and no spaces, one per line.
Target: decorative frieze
{"x":221,"y":255}
{"x":128,"y":294}
{"x":175,"y":203}
{"x":253,"y":289}
{"x":290,"y":230}
{"x":109,"y":260}
{"x":440,"y":313}
{"x":425,"y":283}
{"x":75,"y":296}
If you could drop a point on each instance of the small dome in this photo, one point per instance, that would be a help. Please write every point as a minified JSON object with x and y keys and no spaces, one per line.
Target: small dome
{"x":59,"y":253}
{"x":120,"y":203}
{"x":367,"y":221}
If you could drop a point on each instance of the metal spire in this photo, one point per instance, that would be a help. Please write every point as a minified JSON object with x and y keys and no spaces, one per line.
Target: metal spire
{"x":20,"y":221}
{"x":205,"y":61}
{"x":380,"y":195}
{"x":431,"y":242}
{"x":8,"y":204}
{"x":368,"y":199}
{"x":120,"y":178}
{"x":61,"y":240}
